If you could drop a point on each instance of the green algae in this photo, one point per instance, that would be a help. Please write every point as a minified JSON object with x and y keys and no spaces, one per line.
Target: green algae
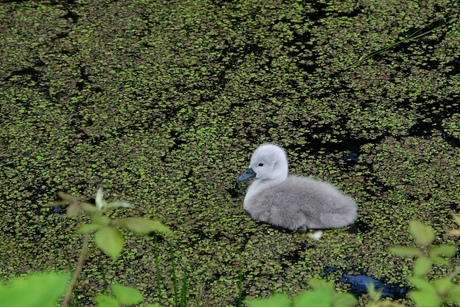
{"x":162,"y":103}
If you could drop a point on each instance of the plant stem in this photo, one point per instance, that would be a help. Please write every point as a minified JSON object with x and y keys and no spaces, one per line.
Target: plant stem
{"x":240,"y":287}
{"x":157,"y":266}
{"x":417,"y":34}
{"x":77,"y":271}
{"x":174,"y":277}
{"x":183,"y":290}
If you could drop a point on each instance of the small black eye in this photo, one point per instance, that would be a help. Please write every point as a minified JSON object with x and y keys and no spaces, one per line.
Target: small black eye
{"x":261,"y":164}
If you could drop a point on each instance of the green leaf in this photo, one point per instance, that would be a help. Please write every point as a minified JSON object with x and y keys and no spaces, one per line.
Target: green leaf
{"x":127,"y":295}
{"x":423,"y":235}
{"x":118,"y":204}
{"x":317,"y":298}
{"x":276,"y":300}
{"x":86,"y":228}
{"x":373,"y":294}
{"x":454,"y":232}
{"x":386,"y":304}
{"x":142,"y":226}
{"x":89,"y":207}
{"x":68,"y":198}
{"x":422,"y":266}
{"x":454,"y":294}
{"x":105,"y":301}
{"x":324,"y":294}
{"x":73,"y":209}
{"x":425,"y":299}
{"x":153,"y":305}
{"x":455,"y":216}
{"x":442,"y":250}
{"x":344,"y":300}
{"x":439,"y":260}
{"x":406,"y":251}
{"x":34,"y":290}
{"x":100,"y":219}
{"x":443,"y":286}
{"x":423,"y":285}
{"x":110,"y":241}
{"x":317,"y":283}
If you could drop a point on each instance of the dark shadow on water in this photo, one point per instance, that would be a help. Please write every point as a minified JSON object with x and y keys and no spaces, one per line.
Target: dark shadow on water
{"x":425,"y":129}
{"x":358,"y":286}
{"x":452,"y":141}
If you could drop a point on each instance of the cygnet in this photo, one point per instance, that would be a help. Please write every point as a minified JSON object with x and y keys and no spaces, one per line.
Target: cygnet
{"x":293,"y":202}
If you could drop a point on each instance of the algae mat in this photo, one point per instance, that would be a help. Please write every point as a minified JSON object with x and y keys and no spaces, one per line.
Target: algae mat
{"x":162,"y":103}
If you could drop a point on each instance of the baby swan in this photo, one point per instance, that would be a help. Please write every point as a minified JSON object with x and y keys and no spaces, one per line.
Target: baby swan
{"x":293,"y":202}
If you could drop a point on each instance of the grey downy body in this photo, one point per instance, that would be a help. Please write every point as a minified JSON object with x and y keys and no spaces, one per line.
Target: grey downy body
{"x":293,"y":202}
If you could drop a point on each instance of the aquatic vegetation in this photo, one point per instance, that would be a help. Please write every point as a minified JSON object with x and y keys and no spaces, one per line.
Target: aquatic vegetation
{"x":154,"y":100}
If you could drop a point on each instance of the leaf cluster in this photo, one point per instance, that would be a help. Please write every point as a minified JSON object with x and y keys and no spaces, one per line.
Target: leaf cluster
{"x":107,"y":237}
{"x":322,"y":295}
{"x":430,"y":293}
{"x":426,"y":293}
{"x":122,"y":296}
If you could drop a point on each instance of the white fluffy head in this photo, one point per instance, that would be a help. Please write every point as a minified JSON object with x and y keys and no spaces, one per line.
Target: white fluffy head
{"x":269,"y":162}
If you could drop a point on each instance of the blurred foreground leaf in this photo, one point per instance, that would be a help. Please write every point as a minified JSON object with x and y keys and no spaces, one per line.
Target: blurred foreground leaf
{"x":34,"y":290}
{"x":423,"y":235}
{"x":127,"y":295}
{"x":110,"y":241}
{"x":143,"y":226}
{"x":276,"y":300}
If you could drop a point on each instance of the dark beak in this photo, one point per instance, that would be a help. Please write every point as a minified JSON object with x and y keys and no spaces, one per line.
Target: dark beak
{"x":248,"y":174}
